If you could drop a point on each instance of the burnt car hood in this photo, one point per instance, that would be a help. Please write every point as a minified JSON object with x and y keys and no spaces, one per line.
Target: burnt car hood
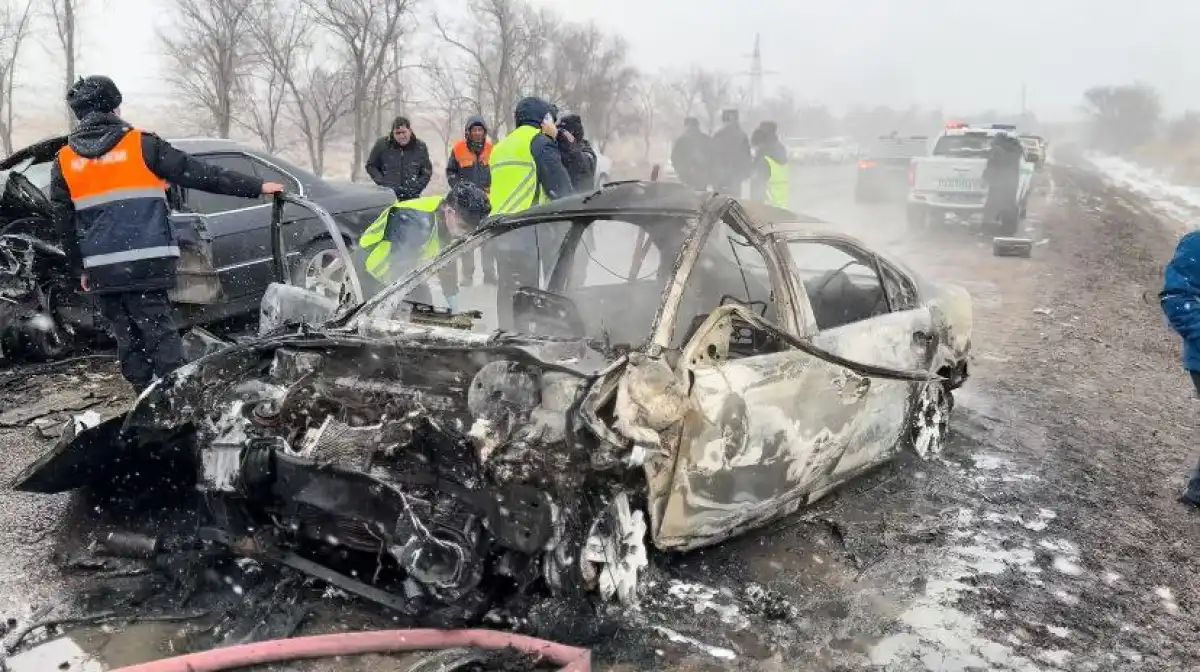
{"x":437,"y":365}
{"x":20,"y":197}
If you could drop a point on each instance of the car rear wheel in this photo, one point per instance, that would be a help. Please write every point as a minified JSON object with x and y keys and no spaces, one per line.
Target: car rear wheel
{"x":320,"y":269}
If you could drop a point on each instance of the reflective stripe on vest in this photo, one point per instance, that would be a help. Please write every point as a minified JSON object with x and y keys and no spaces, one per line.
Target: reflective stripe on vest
{"x":121,"y":208}
{"x":778,"y":184}
{"x":514,"y":173}
{"x":379,"y":249}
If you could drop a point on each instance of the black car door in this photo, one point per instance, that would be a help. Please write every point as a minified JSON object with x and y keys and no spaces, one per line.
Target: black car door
{"x":239,"y":228}
{"x":294,"y":236}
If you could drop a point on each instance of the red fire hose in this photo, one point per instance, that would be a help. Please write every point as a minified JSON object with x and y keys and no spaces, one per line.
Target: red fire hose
{"x":356,"y":643}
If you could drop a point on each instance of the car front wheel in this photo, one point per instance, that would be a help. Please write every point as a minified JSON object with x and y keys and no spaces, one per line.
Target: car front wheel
{"x":320,"y":269}
{"x":931,"y":419}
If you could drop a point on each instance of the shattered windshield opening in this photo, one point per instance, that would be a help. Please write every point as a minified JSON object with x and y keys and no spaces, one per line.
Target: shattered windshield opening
{"x":607,"y":288}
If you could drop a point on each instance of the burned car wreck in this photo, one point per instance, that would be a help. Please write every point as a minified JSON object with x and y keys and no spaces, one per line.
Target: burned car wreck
{"x":675,"y":369}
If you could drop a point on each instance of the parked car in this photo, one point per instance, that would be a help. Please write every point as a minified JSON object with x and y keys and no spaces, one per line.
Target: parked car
{"x":883,"y":172}
{"x":226,"y":261}
{"x":707,"y":367}
{"x":834,"y":151}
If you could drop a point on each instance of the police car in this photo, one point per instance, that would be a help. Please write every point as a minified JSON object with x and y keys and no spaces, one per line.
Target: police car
{"x":950,"y":180}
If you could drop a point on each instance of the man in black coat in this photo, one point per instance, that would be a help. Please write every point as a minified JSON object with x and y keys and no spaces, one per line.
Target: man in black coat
{"x":400,"y":162}
{"x":578,"y":157}
{"x":691,"y":155}
{"x":731,"y":155}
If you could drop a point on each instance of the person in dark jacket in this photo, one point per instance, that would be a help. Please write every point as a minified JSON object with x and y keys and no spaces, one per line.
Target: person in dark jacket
{"x":1002,"y":174}
{"x":1180,"y":301}
{"x":526,"y":255}
{"x":578,"y":157}
{"x":580,"y":161}
{"x":470,"y":161}
{"x":400,"y":161}
{"x":766,"y":144}
{"x":108,"y":200}
{"x":731,"y":155}
{"x":691,"y":155}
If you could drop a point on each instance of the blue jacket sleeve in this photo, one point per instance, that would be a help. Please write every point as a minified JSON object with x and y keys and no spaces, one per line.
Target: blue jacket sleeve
{"x":1183,"y":314}
{"x":552,"y":175}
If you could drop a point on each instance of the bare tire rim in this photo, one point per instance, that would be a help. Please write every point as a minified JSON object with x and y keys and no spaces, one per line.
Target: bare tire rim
{"x":325,"y":274}
{"x":931,"y":423}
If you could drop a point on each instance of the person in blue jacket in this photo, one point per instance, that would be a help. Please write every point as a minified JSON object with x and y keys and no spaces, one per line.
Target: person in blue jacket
{"x":1180,"y":300}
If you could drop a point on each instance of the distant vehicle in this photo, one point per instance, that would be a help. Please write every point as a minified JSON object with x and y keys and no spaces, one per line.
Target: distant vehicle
{"x":834,"y":151}
{"x":950,"y":181}
{"x":801,"y":150}
{"x":1035,"y":148}
{"x":883,"y":172}
{"x":225,"y":240}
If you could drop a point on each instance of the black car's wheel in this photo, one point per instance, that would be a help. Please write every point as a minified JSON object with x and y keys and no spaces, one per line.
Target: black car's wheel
{"x":320,"y":269}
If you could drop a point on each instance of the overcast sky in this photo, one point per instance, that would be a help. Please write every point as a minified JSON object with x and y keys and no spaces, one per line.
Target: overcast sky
{"x":962,"y":56}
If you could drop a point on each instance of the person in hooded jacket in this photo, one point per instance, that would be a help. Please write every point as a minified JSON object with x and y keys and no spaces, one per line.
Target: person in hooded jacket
{"x":400,"y":161}
{"x":691,"y":155}
{"x":731,"y":155}
{"x":108,"y":201}
{"x":1002,"y":174}
{"x":527,"y":169}
{"x":769,"y":178}
{"x":577,"y":154}
{"x":1180,"y":301}
{"x":470,"y":161}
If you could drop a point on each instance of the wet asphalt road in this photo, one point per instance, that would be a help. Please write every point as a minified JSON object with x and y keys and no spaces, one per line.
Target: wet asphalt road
{"x":992,"y":556}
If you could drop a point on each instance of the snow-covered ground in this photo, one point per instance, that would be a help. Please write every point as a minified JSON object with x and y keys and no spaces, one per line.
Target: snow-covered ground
{"x":1176,"y":201}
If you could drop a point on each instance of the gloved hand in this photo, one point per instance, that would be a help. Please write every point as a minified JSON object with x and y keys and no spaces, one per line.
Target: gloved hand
{"x":452,"y":302}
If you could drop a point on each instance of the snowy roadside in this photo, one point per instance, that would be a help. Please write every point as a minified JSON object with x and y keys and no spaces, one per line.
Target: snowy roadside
{"x":1178,"y":202}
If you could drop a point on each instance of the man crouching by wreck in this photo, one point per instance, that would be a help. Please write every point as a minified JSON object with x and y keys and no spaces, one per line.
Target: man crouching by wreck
{"x":416,"y":230}
{"x":108,"y":190}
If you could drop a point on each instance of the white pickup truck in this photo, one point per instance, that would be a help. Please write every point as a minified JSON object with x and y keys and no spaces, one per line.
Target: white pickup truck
{"x":950,"y":180}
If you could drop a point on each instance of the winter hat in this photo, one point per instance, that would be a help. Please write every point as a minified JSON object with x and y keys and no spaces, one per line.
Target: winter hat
{"x":96,"y":93}
{"x":572,"y":124}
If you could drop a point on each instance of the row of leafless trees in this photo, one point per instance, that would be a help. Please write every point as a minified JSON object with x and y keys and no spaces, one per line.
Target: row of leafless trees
{"x":314,"y":71}
{"x":303,"y":74}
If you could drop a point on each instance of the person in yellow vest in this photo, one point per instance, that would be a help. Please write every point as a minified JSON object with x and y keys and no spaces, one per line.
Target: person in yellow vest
{"x":527,"y":169}
{"x":770,"y":181}
{"x":413,"y":231}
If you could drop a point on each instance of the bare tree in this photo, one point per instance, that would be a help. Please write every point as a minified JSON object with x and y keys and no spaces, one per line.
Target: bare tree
{"x":211,"y":55}
{"x":65,"y":13}
{"x":368,"y":32}
{"x":448,"y":100}
{"x":1122,"y":117}
{"x":591,"y":76}
{"x":14,"y":27}
{"x":503,"y":48}
{"x":282,"y":34}
{"x":321,"y":99}
{"x":703,"y":93}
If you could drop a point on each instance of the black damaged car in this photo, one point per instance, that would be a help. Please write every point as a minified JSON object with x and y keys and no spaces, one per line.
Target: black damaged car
{"x":224,"y":241}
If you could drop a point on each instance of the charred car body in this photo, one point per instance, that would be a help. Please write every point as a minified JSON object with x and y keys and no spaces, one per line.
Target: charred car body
{"x":706,"y":367}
